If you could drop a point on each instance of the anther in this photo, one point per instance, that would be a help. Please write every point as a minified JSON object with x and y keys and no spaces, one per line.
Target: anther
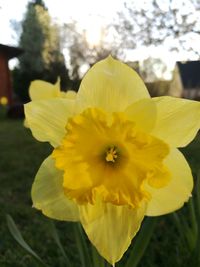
{"x":111,"y":154}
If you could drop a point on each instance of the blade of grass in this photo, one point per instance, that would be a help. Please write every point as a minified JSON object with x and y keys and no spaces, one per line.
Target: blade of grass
{"x":82,"y":246}
{"x":179,"y":227}
{"x":198,"y":196}
{"x":193,"y":217}
{"x":20,"y":240}
{"x":197,"y":248}
{"x":56,"y":238}
{"x":98,"y":261}
{"x":194,"y":223}
{"x":186,"y":232}
{"x":141,"y":242}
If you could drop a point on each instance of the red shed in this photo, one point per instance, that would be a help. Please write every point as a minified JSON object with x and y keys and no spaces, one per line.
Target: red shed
{"x":6,"y":53}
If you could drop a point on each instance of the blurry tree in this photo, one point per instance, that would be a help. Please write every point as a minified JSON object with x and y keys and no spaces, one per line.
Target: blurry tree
{"x":139,"y":23}
{"x":156,"y":21}
{"x":160,"y":87}
{"x":82,"y":52}
{"x":42,"y":57}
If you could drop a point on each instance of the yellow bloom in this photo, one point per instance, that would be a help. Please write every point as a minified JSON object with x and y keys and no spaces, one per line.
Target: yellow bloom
{"x":115,"y":156}
{"x":41,"y":90}
{"x":3,"y":100}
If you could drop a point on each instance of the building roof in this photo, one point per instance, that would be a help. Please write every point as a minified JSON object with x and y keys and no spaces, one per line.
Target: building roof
{"x":190,"y":73}
{"x":10,"y":51}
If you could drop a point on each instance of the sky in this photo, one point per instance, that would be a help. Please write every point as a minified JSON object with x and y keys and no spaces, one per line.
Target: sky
{"x":88,"y":13}
{"x":91,"y":15}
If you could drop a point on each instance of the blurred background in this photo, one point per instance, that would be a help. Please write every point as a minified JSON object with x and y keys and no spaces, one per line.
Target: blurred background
{"x":48,"y":39}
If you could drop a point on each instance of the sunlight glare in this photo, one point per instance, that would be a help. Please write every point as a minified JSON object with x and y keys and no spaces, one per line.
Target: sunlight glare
{"x":93,"y":33}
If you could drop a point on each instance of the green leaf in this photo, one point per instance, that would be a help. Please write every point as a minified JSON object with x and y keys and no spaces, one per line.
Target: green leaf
{"x":98,"y":261}
{"x":179,"y":226}
{"x":20,"y":240}
{"x":56,"y":238}
{"x":193,"y":217}
{"x":185,"y":230}
{"x":196,"y":253}
{"x":82,"y":246}
{"x":141,"y":242}
{"x":198,"y":196}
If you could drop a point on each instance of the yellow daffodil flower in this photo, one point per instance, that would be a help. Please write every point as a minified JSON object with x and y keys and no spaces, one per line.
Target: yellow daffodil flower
{"x":40,"y":90}
{"x":115,"y":157}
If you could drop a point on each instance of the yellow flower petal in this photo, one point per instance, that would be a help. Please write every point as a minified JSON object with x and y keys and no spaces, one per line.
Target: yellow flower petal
{"x":111,"y":86}
{"x":111,"y":228}
{"x":25,"y":123}
{"x":143,"y":113}
{"x":48,"y":195}
{"x":178,"y":190}
{"x":70,"y":94}
{"x":178,"y":120}
{"x":47,"y":118}
{"x":39,"y":90}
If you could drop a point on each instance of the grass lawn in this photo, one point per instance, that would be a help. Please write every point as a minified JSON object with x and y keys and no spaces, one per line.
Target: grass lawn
{"x":20,"y":158}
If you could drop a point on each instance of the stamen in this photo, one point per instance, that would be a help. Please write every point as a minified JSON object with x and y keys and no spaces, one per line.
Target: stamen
{"x":111,"y":154}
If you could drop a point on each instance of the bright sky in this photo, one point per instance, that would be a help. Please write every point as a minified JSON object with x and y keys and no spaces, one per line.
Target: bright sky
{"x":90,"y":15}
{"x":86,"y":12}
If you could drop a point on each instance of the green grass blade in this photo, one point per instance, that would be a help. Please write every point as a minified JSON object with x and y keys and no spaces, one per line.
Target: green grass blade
{"x":82,"y":246}
{"x":198,"y":197}
{"x":193,"y":216}
{"x":194,"y":223}
{"x":177,"y":220}
{"x":197,"y":248}
{"x":98,"y":261}
{"x":20,"y":240}
{"x":185,"y":230}
{"x":141,"y":242}
{"x":56,"y":238}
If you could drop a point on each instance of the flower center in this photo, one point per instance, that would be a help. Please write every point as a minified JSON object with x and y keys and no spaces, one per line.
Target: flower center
{"x":111,"y":154}
{"x":104,"y":156}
